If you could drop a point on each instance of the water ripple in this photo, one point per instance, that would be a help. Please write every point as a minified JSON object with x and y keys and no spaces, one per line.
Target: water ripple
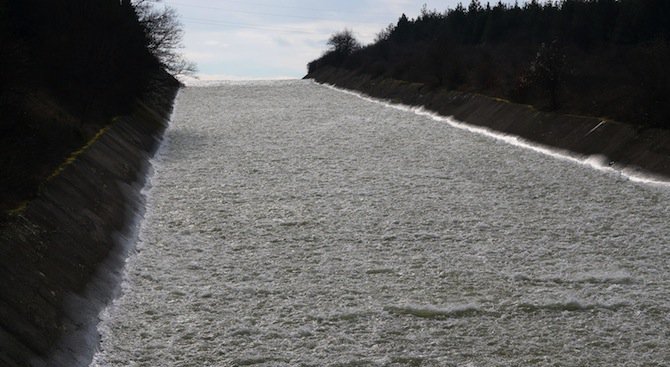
{"x":290,"y":224}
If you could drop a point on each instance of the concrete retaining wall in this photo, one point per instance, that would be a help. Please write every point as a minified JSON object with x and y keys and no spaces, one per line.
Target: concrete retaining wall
{"x":61,"y":255}
{"x":625,"y":146}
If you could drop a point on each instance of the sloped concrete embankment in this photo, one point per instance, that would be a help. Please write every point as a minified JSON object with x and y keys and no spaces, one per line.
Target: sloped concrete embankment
{"x":61,"y":255}
{"x":641,"y":151}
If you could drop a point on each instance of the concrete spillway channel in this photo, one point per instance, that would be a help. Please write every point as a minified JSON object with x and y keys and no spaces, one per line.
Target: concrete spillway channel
{"x":61,"y":254}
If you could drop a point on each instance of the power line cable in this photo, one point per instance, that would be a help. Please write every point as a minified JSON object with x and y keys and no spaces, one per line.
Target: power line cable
{"x":272,"y":6}
{"x":242,"y":11}
{"x":338,"y":12}
{"x":245,"y":25}
{"x":216,"y":23}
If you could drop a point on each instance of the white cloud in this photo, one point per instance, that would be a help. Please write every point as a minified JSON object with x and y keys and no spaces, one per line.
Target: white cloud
{"x":200,"y":56}
{"x":286,"y":52}
{"x":247,"y":40}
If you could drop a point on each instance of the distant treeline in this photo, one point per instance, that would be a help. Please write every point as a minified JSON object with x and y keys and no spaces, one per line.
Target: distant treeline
{"x":67,"y":67}
{"x":598,"y":57}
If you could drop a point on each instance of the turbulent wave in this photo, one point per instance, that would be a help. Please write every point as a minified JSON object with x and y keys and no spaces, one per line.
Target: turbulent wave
{"x":571,"y":306}
{"x":433,"y":312}
{"x":293,"y":225}
{"x":605,"y":277}
{"x":597,"y":162}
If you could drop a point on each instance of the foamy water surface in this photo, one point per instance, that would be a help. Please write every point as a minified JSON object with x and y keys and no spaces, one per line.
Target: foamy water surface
{"x":290,"y":224}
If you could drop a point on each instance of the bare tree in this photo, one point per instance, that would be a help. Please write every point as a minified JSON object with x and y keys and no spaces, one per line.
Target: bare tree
{"x":385,"y":34}
{"x":164,"y":35}
{"x":344,"y":42}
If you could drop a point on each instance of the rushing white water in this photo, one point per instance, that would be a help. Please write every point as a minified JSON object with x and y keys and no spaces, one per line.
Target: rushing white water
{"x":290,"y":224}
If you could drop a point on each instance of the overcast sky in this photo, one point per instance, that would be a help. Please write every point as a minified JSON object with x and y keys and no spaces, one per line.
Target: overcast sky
{"x":265,"y":39}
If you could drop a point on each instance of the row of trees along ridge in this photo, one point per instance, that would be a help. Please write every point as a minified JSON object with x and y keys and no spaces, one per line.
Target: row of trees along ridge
{"x":605,"y":58}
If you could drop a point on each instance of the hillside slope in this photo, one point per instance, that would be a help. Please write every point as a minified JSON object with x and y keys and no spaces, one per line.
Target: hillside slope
{"x":603,"y":58}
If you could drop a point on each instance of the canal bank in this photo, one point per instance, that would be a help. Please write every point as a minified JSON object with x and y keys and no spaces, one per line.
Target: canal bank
{"x":633,"y":149}
{"x":62,"y":253}
{"x":291,"y":224}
